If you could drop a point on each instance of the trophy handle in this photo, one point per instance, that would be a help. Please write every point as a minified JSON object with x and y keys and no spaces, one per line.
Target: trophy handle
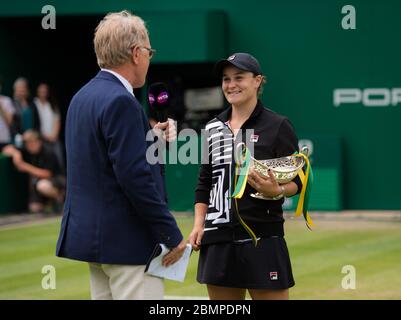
{"x":239,"y":153}
{"x":305,"y":150}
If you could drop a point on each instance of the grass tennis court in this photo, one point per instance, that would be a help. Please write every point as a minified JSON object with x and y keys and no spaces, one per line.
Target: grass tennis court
{"x":373,"y":248}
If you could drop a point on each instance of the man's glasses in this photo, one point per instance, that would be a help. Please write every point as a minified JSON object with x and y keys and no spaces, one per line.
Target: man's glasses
{"x":151,"y":51}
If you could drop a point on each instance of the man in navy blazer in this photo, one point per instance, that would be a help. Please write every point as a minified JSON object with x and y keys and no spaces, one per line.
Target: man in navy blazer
{"x":115,"y":210}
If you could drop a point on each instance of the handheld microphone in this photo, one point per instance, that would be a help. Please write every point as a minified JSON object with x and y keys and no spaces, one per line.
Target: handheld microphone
{"x":159,"y":100}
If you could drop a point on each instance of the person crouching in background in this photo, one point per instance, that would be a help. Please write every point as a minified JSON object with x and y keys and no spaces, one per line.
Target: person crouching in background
{"x":46,"y":181}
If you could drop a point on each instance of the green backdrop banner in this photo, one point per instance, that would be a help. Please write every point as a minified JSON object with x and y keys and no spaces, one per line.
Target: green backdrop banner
{"x":328,"y":80}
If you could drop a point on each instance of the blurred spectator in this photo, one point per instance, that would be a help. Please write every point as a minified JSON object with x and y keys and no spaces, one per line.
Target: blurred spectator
{"x":26,"y":116}
{"x":49,"y":118}
{"x":46,"y":179}
{"x":6,"y":118}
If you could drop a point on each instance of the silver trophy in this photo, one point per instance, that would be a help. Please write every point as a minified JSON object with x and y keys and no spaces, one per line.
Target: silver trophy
{"x":284,"y":169}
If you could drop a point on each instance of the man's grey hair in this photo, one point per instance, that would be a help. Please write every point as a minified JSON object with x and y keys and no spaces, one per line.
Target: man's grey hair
{"x":116,"y":35}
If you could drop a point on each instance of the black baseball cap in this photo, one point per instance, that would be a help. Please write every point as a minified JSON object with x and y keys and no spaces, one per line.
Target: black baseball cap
{"x":241,"y":60}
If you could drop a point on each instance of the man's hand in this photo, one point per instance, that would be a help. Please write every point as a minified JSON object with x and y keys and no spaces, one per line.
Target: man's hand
{"x":9,"y":150}
{"x":14,"y":153}
{"x":175,"y":254}
{"x":167,"y":130}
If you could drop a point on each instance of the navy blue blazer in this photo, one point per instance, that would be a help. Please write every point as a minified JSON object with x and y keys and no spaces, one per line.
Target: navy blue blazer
{"x":115,"y":209}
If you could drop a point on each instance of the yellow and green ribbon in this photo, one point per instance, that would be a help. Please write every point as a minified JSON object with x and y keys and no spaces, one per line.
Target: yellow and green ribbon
{"x":241,"y":171}
{"x":240,"y":180}
{"x":307,"y":182}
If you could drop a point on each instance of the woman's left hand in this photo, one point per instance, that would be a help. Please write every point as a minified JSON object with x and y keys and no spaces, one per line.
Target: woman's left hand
{"x":268,"y":186}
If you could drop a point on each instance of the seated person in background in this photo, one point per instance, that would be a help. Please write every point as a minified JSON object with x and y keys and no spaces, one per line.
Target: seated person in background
{"x":46,"y":180}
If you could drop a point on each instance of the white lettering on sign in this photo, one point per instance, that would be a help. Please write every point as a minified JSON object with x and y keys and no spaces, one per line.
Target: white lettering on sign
{"x":370,"y":97}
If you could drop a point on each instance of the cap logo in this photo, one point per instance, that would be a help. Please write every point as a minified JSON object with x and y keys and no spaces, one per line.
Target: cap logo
{"x":231,"y":57}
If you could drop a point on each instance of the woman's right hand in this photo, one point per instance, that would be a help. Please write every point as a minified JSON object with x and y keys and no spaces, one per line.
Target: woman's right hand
{"x":195,"y":237}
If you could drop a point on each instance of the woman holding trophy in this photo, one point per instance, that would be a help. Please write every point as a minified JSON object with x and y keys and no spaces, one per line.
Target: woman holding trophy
{"x":241,"y":239}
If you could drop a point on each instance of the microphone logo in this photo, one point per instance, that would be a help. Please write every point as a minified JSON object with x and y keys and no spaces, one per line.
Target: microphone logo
{"x":151,"y":98}
{"x":162,"y":97}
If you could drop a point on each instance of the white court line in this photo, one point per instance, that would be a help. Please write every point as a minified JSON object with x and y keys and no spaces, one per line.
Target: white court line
{"x":29,"y":223}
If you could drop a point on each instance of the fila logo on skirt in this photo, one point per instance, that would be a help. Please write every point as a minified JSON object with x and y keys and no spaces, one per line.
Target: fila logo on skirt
{"x":274,"y":275}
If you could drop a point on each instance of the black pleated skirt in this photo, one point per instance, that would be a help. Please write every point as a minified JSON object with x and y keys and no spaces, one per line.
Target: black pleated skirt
{"x":242,"y":265}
